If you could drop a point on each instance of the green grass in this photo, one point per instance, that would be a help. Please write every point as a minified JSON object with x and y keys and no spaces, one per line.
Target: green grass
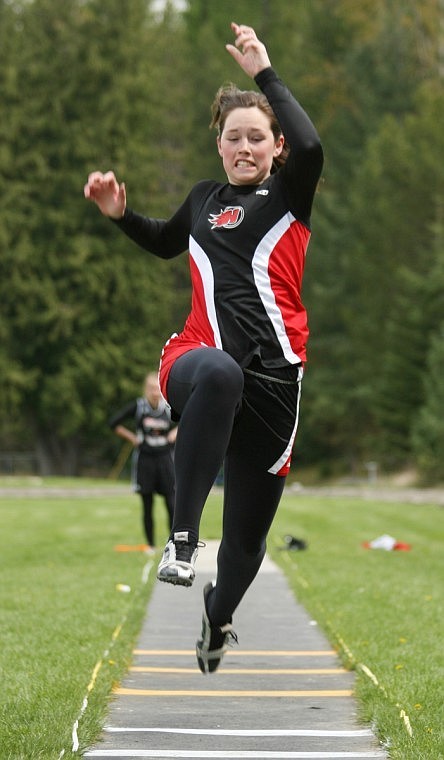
{"x":384,"y":610}
{"x":60,"y":609}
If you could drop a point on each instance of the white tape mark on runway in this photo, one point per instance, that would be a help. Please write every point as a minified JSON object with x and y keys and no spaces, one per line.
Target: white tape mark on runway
{"x":97,"y":667}
{"x":227,"y":755}
{"x":245,"y":671}
{"x":353,"y":734}
{"x":243,"y":652}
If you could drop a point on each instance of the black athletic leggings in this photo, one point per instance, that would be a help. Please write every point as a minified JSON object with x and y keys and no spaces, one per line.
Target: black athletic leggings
{"x":147,"y":514}
{"x":206,"y":388}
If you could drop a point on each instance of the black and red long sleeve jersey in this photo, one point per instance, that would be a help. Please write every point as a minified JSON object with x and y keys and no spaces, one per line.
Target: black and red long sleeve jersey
{"x":247,"y":246}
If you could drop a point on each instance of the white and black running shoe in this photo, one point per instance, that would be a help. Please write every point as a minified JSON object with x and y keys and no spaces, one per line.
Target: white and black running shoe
{"x":214,"y":640}
{"x":177,"y":563}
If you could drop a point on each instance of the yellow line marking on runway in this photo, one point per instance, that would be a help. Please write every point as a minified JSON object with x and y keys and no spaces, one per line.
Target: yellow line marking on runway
{"x":121,"y":691}
{"x":243,"y":652}
{"x":246,"y":671}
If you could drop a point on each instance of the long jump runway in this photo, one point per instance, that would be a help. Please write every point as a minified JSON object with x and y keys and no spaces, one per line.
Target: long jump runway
{"x":281,"y":693}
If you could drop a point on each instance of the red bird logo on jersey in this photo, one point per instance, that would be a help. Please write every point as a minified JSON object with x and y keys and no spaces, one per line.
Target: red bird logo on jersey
{"x":229,"y":217}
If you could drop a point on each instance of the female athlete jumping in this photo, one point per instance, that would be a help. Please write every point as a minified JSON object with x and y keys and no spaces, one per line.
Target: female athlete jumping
{"x":233,"y":375}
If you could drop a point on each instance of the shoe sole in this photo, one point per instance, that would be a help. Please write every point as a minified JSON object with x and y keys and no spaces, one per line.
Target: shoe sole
{"x":176,"y":578}
{"x":175,"y":581}
{"x":208,"y":665}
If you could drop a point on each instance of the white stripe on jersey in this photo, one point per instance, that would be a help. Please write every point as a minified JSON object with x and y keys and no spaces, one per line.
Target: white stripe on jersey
{"x":202,"y":262}
{"x":262,"y":279}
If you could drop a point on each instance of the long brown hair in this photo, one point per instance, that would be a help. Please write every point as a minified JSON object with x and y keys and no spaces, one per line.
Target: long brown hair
{"x":228,"y":97}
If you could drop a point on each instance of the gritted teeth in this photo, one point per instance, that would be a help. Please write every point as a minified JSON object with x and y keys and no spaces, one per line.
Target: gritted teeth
{"x":242,"y":163}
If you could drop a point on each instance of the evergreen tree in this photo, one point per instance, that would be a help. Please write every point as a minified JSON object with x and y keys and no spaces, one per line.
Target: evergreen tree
{"x":86,"y":312}
{"x":396,"y":200}
{"x":428,"y":428}
{"x":13,"y":379}
{"x":381,"y":133}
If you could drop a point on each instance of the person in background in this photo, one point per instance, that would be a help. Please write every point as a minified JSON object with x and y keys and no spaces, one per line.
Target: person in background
{"x":153,"y":441}
{"x":233,"y":375}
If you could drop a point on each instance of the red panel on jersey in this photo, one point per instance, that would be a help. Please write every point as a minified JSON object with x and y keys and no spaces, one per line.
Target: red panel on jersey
{"x":197,"y":331}
{"x":285,"y":269}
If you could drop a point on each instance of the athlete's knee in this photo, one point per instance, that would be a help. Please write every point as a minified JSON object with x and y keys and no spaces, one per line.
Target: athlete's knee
{"x":246,"y":549}
{"x":222,"y":377}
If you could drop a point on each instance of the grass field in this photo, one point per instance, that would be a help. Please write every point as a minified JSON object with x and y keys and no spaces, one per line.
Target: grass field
{"x":67,"y":631}
{"x":383,"y":609}
{"x":60,"y":609}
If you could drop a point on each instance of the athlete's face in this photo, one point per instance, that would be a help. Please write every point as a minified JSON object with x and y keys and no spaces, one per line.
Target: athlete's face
{"x":247,"y":146}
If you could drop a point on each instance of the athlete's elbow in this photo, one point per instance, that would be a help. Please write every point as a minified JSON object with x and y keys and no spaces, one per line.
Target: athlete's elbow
{"x":314,"y":153}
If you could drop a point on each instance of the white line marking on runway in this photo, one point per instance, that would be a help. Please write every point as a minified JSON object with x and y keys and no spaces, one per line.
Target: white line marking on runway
{"x":244,"y":652}
{"x":245,"y":671}
{"x":355,"y":733}
{"x":226,"y":755}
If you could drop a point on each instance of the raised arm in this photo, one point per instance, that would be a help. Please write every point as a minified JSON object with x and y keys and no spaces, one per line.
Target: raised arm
{"x":304,"y":164}
{"x":251,"y":55}
{"x":249,"y":52}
